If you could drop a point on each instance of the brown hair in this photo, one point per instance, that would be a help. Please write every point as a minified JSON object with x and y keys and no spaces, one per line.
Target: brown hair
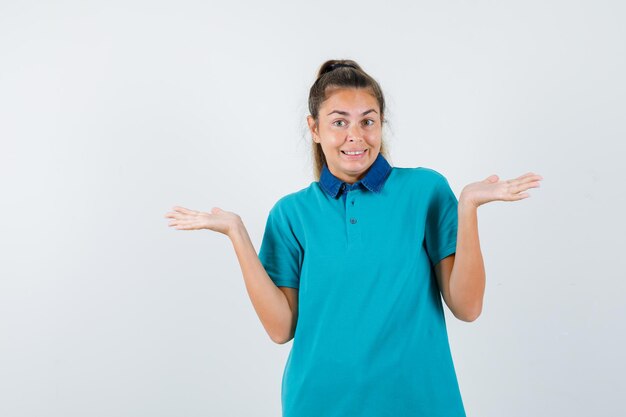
{"x":342,"y":73}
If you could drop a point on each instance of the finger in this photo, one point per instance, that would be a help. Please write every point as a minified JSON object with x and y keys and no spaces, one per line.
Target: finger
{"x":181,"y":221}
{"x":189,"y":225}
{"x":515,"y":181}
{"x":184,"y":210}
{"x":174,"y":215}
{"x":532,"y":184}
{"x":534,"y":180}
{"x":526,"y":186}
{"x":519,"y":179}
{"x":516,"y":197}
{"x":533,"y":177}
{"x":530,"y":177}
{"x":517,"y":189}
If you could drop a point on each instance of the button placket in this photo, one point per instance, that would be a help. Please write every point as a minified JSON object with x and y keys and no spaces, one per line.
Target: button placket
{"x":353,"y":228}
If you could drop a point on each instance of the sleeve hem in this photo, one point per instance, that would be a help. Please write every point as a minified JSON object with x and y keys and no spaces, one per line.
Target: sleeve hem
{"x":285,"y":283}
{"x":445,"y":253}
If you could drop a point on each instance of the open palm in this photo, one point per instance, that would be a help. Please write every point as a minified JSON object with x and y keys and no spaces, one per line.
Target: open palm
{"x":217,"y":220}
{"x":494,"y":189}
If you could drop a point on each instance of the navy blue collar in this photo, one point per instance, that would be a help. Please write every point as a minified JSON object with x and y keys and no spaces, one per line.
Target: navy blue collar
{"x":374,"y":178}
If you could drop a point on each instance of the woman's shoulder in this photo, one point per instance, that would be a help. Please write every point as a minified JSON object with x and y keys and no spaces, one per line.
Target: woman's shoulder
{"x":420,"y":173}
{"x":293,"y":199}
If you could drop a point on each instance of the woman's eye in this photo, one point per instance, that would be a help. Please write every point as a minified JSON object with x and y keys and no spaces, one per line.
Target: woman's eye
{"x":368,"y":122}
{"x":339,"y":123}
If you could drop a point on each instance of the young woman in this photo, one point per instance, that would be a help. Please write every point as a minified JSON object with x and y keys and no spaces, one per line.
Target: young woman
{"x":354,"y":267}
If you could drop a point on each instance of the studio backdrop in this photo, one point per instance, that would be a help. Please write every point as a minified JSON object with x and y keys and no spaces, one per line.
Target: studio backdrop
{"x":112,"y":113}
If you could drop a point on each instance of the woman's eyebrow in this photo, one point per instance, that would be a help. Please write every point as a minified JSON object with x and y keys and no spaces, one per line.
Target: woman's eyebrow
{"x":345,"y":113}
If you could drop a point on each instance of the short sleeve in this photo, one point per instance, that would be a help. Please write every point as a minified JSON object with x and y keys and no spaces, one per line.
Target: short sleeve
{"x":280,"y":252}
{"x":441,"y":222}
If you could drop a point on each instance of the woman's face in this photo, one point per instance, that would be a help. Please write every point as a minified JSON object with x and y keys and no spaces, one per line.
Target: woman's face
{"x":349,"y":120}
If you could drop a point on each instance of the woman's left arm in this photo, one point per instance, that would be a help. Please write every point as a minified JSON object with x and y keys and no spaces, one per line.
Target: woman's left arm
{"x":461,"y":276}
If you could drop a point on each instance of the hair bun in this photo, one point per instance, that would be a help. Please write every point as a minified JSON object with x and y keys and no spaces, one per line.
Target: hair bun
{"x":336,"y":65}
{"x":333,"y":64}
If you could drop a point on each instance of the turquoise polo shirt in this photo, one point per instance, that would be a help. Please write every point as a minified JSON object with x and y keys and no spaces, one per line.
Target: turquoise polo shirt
{"x":371,"y":338}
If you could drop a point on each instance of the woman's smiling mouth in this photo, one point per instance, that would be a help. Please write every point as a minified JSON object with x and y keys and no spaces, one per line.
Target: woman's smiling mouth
{"x":354,"y":154}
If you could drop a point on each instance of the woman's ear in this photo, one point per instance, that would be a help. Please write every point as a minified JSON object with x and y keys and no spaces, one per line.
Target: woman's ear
{"x":312,"y":128}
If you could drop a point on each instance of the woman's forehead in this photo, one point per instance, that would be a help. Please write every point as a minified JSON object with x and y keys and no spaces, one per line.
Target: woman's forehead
{"x":357,"y":99}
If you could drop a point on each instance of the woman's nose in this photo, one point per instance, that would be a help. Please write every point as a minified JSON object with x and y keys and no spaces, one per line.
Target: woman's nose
{"x":354,"y":133}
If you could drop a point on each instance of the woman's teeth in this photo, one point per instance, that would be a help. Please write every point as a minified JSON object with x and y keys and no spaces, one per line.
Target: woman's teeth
{"x":353,"y":153}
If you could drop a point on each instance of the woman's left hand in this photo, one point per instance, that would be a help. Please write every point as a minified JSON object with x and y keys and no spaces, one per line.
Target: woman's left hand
{"x":492,"y":189}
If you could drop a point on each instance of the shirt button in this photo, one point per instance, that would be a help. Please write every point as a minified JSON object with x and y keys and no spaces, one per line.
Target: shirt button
{"x":352,"y":202}
{"x":353,"y":220}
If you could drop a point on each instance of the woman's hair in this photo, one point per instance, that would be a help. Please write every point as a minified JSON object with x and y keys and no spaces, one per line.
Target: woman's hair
{"x":340,"y":73}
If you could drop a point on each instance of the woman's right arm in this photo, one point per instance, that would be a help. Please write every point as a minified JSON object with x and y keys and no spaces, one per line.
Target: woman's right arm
{"x":277,"y":307}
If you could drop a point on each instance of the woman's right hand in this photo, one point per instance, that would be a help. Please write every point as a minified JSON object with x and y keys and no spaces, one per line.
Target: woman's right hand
{"x":217,"y":220}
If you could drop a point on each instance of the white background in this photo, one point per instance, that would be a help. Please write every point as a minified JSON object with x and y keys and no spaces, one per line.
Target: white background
{"x":111,"y":113}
